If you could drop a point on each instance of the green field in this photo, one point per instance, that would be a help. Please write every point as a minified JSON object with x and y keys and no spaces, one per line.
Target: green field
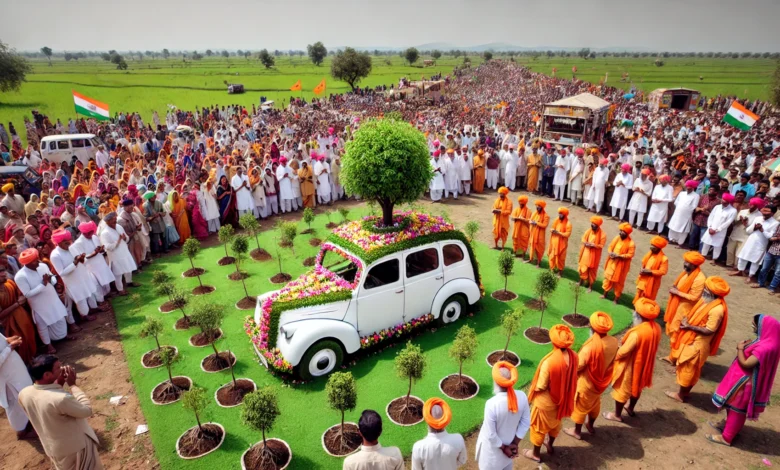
{"x":305,"y":415}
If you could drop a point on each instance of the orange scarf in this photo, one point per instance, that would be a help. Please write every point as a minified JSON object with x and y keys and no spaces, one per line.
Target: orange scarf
{"x":643,"y":281}
{"x":594,"y":254}
{"x":563,"y":383}
{"x":649,"y":335}
{"x":698,"y":317}
{"x":599,"y":377}
{"x":621,"y":247}
{"x":685,"y":287}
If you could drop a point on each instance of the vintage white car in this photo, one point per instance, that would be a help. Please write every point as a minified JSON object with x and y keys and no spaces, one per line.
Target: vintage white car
{"x":366,"y":287}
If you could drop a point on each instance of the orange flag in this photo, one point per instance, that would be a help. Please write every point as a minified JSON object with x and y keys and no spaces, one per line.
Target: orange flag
{"x":320,"y":88}
{"x":296,"y":87}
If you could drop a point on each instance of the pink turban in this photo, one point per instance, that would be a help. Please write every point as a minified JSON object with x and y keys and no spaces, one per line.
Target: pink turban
{"x":691,"y":184}
{"x":331,"y":130}
{"x":436,"y":153}
{"x":664,"y":178}
{"x":758,"y":202}
{"x":579,"y":151}
{"x":436,"y":143}
{"x":604,"y":161}
{"x":728,"y":197}
{"x":313,"y":154}
{"x":283,"y":160}
{"x":625,"y":167}
{"x":86,"y":227}
{"x":60,"y":235}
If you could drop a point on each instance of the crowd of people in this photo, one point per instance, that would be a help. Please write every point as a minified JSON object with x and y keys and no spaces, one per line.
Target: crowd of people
{"x":698,"y":184}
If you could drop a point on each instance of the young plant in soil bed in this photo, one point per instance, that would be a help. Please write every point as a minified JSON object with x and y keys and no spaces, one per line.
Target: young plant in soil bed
{"x":342,"y":397}
{"x":225,"y":236}
{"x":153,"y":327}
{"x":163,"y":285}
{"x":179,"y":300}
{"x":410,"y":364}
{"x":209,"y":316}
{"x":506,"y":267}
{"x":202,"y":438}
{"x":545,"y":285}
{"x":259,"y":412}
{"x":281,"y":277}
{"x":252,"y":228}
{"x":233,"y":393}
{"x":170,"y":390}
{"x":471,"y":229}
{"x":191,"y":249}
{"x":288,"y":231}
{"x":510,"y":324}
{"x":463,"y":349}
{"x":330,"y":224}
{"x":575,"y":319}
{"x":308,"y":218}
{"x":344,"y":213}
{"x":240,"y":247}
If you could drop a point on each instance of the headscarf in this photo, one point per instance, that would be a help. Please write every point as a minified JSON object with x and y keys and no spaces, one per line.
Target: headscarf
{"x":728,"y":198}
{"x":694,"y":257}
{"x":31,"y":206}
{"x":601,"y":322}
{"x":717,"y":285}
{"x":507,"y":384}
{"x":691,"y":184}
{"x":446,"y":417}
{"x":625,"y":167}
{"x":647,"y":308}
{"x":7,"y":187}
{"x":503,"y":190}
{"x":626,"y":227}
{"x":659,"y":242}
{"x":564,"y":211}
{"x":61,"y":235}
{"x":755,"y":201}
{"x":563,"y":384}
{"x":540,"y":202}
{"x":599,"y":375}
{"x":87,"y":227}
{"x":596,"y":220}
{"x":522,"y":199}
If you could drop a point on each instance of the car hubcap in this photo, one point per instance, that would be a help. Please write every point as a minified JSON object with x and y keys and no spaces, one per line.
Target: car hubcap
{"x":452,"y":312}
{"x":322,"y":362}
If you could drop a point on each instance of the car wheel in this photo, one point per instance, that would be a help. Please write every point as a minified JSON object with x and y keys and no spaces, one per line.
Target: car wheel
{"x":452,"y":309}
{"x":321,"y":359}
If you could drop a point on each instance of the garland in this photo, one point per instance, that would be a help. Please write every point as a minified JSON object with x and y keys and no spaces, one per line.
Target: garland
{"x":400,"y":224}
{"x":417,"y":225}
{"x":395,"y":332}
{"x":273,"y":356}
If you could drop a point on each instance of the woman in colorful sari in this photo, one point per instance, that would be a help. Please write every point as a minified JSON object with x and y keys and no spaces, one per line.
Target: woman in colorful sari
{"x":747,"y":386}
{"x":200,"y":228}
{"x":178,"y":209}
{"x":227,"y":203}
{"x":59,"y":206}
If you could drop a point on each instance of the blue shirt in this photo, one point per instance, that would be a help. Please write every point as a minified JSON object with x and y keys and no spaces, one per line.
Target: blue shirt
{"x":747,"y":187}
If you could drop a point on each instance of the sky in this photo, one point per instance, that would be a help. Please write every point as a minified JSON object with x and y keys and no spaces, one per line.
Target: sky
{"x":650,"y":25}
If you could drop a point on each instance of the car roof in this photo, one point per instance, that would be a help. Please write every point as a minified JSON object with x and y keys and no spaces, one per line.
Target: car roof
{"x":68,"y":137}
{"x":13,"y":169}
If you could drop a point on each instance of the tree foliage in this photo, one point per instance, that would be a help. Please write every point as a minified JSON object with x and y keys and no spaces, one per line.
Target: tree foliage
{"x":152,"y":327}
{"x":13,"y":69}
{"x":196,"y":401}
{"x":506,"y":265}
{"x":411,"y":55}
{"x":191,"y":248}
{"x":344,"y":213}
{"x":47,"y":52}
{"x":545,"y":285}
{"x":350,"y":66}
{"x":464,"y":347}
{"x":308,"y":216}
{"x":260,"y":410}
{"x":341,"y":390}
{"x":266,"y":58}
{"x":388,"y":162}
{"x":487,"y":55}
{"x":436,"y":54}
{"x":410,"y":364}
{"x":208,"y":316}
{"x":510,"y":324}
{"x":317,"y":53}
{"x":471,"y":228}
{"x":225,"y":235}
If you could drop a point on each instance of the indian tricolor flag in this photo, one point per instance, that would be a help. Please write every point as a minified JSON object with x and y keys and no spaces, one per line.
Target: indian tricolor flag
{"x":739,"y":117}
{"x":90,"y":107}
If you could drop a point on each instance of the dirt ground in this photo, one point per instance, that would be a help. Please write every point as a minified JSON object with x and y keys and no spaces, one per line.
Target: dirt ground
{"x":665,"y":434}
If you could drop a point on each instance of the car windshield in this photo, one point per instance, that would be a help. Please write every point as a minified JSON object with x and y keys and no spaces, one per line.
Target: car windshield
{"x":339,"y":265}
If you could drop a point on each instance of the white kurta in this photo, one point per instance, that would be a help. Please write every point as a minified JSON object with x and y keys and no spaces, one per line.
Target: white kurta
{"x":97,"y":265}
{"x":13,"y":378}
{"x":499,"y":428}
{"x":660,"y":210}
{"x":212,"y":206}
{"x":451,"y":179}
{"x":598,"y":187}
{"x":244,"y":200}
{"x":620,"y":195}
{"x":439,"y":451}
{"x":739,"y":231}
{"x":437,"y":183}
{"x":283,"y":175}
{"x":719,"y":220}
{"x":258,"y":194}
{"x":682,"y":219}
{"x":638,"y":201}
{"x":320,"y":172}
{"x":560,"y":173}
{"x":46,"y":305}
{"x":119,"y":256}
{"x":464,"y":170}
{"x":577,"y":169}
{"x":754,"y":248}
{"x":79,"y":284}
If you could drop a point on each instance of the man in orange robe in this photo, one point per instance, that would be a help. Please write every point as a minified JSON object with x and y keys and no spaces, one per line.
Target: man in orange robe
{"x":683,"y":295}
{"x":594,"y":374}
{"x":655,"y":265}
{"x":590,"y":252}
{"x":521,"y":231}
{"x":478,"y":183}
{"x":621,"y":251}
{"x":552,"y":391}
{"x":635,"y":360}
{"x":701,"y":332}
{"x":534,"y":163}
{"x":501,"y":210}
{"x":539,"y":221}
{"x":559,"y":241}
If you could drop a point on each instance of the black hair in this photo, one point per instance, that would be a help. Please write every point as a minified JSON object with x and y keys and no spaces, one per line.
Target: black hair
{"x":370,"y":425}
{"x":741,"y":191}
{"x":42,"y":364}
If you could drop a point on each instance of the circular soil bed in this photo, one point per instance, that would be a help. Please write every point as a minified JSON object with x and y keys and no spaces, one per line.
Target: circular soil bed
{"x":538,"y":335}
{"x":279,"y":458}
{"x":504,"y":295}
{"x":330,"y":225}
{"x":534,"y":304}
{"x":237,"y":276}
{"x":285,"y":243}
{"x":151,"y":360}
{"x":331,"y":440}
{"x":399,"y":414}
{"x":575,"y":320}
{"x":247,"y":303}
{"x":280,"y":278}
{"x":167,"y":307}
{"x":192,"y":272}
{"x":309,"y":262}
{"x":195,"y":443}
{"x":225,"y":260}
{"x":259,"y":254}
{"x":315,"y":241}
{"x":201,"y":340}
{"x":468,"y":388}
{"x":182,"y":324}
{"x":228,"y":395}
{"x":203,"y":290}
{"x":495,"y":356}
{"x":165,"y":394}
{"x":218,"y":363}
{"x":307,"y":231}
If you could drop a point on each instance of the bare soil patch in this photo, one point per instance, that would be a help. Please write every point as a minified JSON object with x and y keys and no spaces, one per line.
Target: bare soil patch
{"x":259,"y":254}
{"x":331,"y":225}
{"x":167,"y":307}
{"x":315,"y":241}
{"x":152,"y":358}
{"x":576,"y":320}
{"x":273,"y":457}
{"x":510,"y":357}
{"x":403,"y":414}
{"x":218,"y":362}
{"x":538,"y":335}
{"x":280,"y":278}
{"x":308,"y":262}
{"x":459,"y":388}
{"x":232,"y":394}
{"x":333,"y":439}
{"x":204,"y":339}
{"x":202,"y":290}
{"x":247,"y":303}
{"x":504,"y":295}
{"x":285,"y":243}
{"x":182,"y":324}
{"x":535,"y":304}
{"x":197,"y":442}
{"x":193,"y":272}
{"x":237,"y":276}
{"x":225,"y":260}
{"x":168,"y":392}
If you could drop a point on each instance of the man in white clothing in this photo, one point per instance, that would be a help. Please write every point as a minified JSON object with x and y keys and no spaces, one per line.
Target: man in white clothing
{"x":758,"y":239}
{"x":637,"y":207}
{"x":79,"y":284}
{"x":682,"y":219}
{"x":507,"y":419}
{"x":439,"y":450}
{"x":101,"y":157}
{"x":718,"y":223}
{"x":745,"y":218}
{"x":561,"y":171}
{"x":284,"y":175}
{"x":659,"y":208}
{"x":510,"y":170}
{"x":322,"y":175}
{"x":240,"y":184}
{"x":114,"y":239}
{"x":13,"y":378}
{"x":88,"y":244}
{"x":451,"y":179}
{"x":464,"y":171}
{"x":598,"y":187}
{"x":437,"y":183}
{"x":622,"y":182}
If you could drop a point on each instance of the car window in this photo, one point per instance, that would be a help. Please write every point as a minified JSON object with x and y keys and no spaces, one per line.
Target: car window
{"x":421,"y":262}
{"x":339,"y":265}
{"x":452,"y":254}
{"x":52,"y":145}
{"x":95,"y":143}
{"x":382,"y":274}
{"x":87,"y":143}
{"x":63,"y":145}
{"x":77,"y":143}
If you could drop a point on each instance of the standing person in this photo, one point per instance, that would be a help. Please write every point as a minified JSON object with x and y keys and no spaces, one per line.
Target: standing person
{"x":89,"y":244}
{"x":211,"y":209}
{"x":593,"y":242}
{"x":306,"y":177}
{"x":683,"y":295}
{"x":271,"y":198}
{"x":14,"y":319}
{"x":561,"y":170}
{"x":154,"y":213}
{"x":177,"y":208}
{"x":506,"y":421}
{"x":321,"y":171}
{"x":655,"y":265}
{"x":437,"y":183}
{"x":492,"y":165}
{"x":576,"y":176}
{"x":622,"y":182}
{"x":539,"y":222}
{"x":559,"y":241}
{"x":620,"y":253}
{"x":337,"y":188}
{"x":637,"y":207}
{"x":479,"y":172}
{"x":701,"y":332}
{"x":598,"y":187}
{"x":14,"y":202}
{"x":745,"y":218}
{"x":372,"y":456}
{"x":594,"y":374}
{"x":659,"y":208}
{"x":59,"y":417}
{"x":502,"y":208}
{"x":133,"y":230}
{"x":114,"y":239}
{"x":702,"y":212}
{"x":510,"y":171}
{"x":746,"y":388}
{"x":240,"y":185}
{"x":552,"y":392}
{"x":718,"y":223}
{"x":635,"y":359}
{"x":464,"y":171}
{"x":521,"y":230}
{"x":284,"y":176}
{"x":771,"y":261}
{"x":439,"y":449}
{"x":548,"y":171}
{"x":258,"y":193}
{"x":754,"y":249}
{"x":13,"y":379}
{"x":79,"y":284}
{"x":451,"y":178}
{"x":37,"y":283}
{"x":534,"y":163}
{"x":682,"y":220}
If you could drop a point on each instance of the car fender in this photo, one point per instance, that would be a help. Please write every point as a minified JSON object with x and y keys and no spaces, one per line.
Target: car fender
{"x":466,"y":287}
{"x":308,"y":332}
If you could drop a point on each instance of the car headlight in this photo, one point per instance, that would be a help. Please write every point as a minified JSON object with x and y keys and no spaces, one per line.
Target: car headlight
{"x":288,"y":334}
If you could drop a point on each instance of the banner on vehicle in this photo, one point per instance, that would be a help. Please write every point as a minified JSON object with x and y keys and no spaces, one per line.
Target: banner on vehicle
{"x":89,"y":107}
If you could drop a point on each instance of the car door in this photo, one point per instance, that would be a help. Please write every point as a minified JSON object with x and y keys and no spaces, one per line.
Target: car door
{"x":423,"y":277}
{"x":380,"y":302}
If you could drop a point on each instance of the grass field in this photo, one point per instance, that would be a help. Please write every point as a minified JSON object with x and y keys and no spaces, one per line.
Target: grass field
{"x":305,"y":415}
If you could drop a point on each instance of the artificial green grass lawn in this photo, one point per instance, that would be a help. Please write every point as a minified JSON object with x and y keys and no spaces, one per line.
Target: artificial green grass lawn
{"x":304,"y":411}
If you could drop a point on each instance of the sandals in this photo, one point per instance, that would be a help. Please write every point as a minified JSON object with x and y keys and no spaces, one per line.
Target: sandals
{"x":717,"y":440}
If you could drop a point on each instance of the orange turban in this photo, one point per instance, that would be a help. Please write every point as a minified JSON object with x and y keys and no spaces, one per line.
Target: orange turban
{"x":28,"y":256}
{"x":596,"y":220}
{"x":626,"y":227}
{"x":508,"y":384}
{"x":694,"y":257}
{"x":561,"y":336}
{"x":522,"y":199}
{"x":647,"y":308}
{"x":481,"y":152}
{"x":540,"y":202}
{"x":659,"y":242}
{"x":503,"y":190}
{"x":564,"y":211}
{"x":437,"y":423}
{"x":601,"y":322}
{"x":715,"y":284}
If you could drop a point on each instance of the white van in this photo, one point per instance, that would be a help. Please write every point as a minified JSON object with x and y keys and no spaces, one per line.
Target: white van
{"x":62,"y":148}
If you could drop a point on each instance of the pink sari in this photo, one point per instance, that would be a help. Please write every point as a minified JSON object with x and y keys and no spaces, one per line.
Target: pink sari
{"x":200,"y":228}
{"x":748,"y":392}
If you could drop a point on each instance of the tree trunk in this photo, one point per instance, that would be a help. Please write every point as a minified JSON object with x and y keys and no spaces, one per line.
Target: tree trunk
{"x":541,"y":318}
{"x":257,"y":240}
{"x":185,"y":315}
{"x":214,"y":347}
{"x":506,"y":346}
{"x":244,"y":283}
{"x":342,"y":428}
{"x":387,"y":212}
{"x":200,"y":282}
{"x":158,"y":343}
{"x":192,"y":264}
{"x":170,"y":377}
{"x":506,"y":280}
{"x":460,"y":373}
{"x":279,"y":257}
{"x":226,"y":253}
{"x":409,"y":392}
{"x":235,"y":384}
{"x":200,"y":426}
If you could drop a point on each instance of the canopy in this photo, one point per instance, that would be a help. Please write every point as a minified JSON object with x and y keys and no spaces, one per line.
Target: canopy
{"x":583,"y":100}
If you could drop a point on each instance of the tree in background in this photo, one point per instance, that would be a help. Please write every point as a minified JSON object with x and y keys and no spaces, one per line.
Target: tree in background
{"x":317,"y":53}
{"x":487,"y":55}
{"x":288,"y":231}
{"x":225,"y":54}
{"x":436,"y":54}
{"x":342,"y":395}
{"x":411,"y":55}
{"x":410,"y":364}
{"x":209,"y":53}
{"x":344,"y":213}
{"x":166,"y":53}
{"x":388,"y":162}
{"x":308,"y":218}
{"x":774,"y":92}
{"x":260,"y":411}
{"x":266,"y":58}
{"x":350,"y":66}
{"x":47,"y":52}
{"x":13,"y":69}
